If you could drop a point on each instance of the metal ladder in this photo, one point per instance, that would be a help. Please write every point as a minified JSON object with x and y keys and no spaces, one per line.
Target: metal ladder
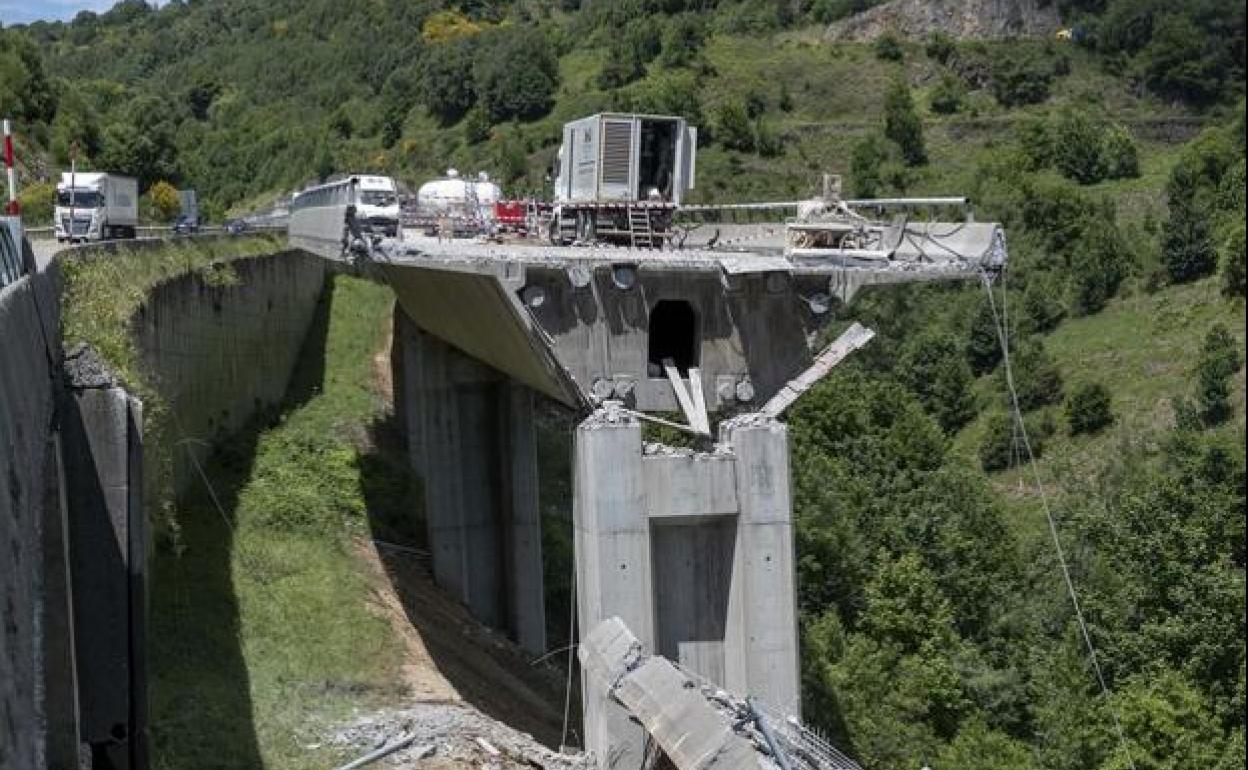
{"x":639,"y":230}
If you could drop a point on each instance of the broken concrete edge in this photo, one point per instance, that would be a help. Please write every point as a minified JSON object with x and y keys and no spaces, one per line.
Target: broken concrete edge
{"x":86,"y":369}
{"x":696,"y":727}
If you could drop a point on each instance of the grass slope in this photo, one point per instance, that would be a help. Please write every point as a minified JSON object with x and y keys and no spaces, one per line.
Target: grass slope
{"x":1144,"y":348}
{"x":262,"y":631}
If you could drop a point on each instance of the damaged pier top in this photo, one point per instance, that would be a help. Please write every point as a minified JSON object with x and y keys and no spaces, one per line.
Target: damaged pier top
{"x":588,"y":324}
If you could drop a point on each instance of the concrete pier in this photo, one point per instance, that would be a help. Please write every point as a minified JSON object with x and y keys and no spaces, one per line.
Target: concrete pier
{"x":693,"y":551}
{"x":108,"y":542}
{"x":472,"y":443}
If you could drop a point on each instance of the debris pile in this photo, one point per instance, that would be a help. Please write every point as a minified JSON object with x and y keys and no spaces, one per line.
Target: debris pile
{"x":448,"y":735}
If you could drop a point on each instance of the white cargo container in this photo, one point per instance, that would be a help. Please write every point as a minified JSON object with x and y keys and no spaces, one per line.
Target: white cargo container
{"x":102,"y":207}
{"x":620,"y":177}
{"x":624,"y":158}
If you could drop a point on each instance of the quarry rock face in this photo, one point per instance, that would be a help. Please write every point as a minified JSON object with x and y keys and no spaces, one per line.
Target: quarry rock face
{"x":960,"y":19}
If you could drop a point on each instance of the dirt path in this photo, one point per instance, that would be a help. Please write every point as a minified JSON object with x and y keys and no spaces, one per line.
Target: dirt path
{"x":449,"y":657}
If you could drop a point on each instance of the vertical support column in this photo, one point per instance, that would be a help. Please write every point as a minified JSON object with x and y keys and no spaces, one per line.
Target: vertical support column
{"x":526,"y":604}
{"x":761,"y":646}
{"x":474,"y":406}
{"x":472,"y":442}
{"x":613,"y":568}
{"x":108,"y":555}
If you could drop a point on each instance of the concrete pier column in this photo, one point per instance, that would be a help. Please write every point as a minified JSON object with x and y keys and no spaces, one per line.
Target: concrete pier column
{"x":526,"y":601}
{"x":761,"y":646}
{"x":102,"y":445}
{"x":613,"y":567}
{"x":472,"y":443}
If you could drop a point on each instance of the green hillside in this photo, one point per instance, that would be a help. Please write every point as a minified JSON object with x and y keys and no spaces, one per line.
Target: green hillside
{"x":936,"y":623}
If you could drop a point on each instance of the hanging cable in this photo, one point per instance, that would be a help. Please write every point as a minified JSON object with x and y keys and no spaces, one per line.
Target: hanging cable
{"x":1002,"y":338}
{"x":567,"y":685}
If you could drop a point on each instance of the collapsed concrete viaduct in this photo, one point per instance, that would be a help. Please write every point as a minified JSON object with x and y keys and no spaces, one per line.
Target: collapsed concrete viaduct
{"x":693,"y":550}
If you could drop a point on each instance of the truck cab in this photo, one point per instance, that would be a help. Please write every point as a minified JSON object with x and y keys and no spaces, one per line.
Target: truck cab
{"x":377,"y":205}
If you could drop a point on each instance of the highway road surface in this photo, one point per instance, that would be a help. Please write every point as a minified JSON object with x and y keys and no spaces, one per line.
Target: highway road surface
{"x":44,"y":248}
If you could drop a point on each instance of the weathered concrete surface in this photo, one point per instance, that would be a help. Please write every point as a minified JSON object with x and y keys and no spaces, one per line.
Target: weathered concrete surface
{"x":36,"y":690}
{"x":218,"y":354}
{"x":471,"y":441}
{"x":73,"y":580}
{"x":668,"y":705}
{"x":760,"y":648}
{"x":693,"y":551}
{"x":586,"y":325}
{"x":108,"y":558}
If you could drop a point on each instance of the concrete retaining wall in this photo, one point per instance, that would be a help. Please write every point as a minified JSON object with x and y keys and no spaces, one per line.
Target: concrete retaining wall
{"x":214,"y":352}
{"x":218,"y":354}
{"x":29,"y":511}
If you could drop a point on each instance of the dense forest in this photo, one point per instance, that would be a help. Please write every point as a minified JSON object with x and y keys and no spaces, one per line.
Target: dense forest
{"x":936,"y":621}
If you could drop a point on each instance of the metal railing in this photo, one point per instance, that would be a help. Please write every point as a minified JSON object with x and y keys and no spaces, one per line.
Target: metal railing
{"x":148,"y":231}
{"x":12,"y":265}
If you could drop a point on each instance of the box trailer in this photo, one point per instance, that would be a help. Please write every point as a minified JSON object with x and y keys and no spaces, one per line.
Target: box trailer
{"x":96,"y":206}
{"x":621,"y":176}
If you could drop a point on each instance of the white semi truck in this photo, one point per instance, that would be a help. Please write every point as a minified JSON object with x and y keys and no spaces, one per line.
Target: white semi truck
{"x":96,"y":207}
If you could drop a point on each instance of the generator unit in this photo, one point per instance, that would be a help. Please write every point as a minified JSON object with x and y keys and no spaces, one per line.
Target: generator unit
{"x":620,"y":177}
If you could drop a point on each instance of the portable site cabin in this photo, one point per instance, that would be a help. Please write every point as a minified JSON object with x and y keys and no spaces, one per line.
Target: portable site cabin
{"x":626,"y":158}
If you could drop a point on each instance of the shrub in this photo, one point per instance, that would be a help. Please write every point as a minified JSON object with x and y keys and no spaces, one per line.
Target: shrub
{"x":983,"y":347}
{"x":1001,"y":445}
{"x":38,"y":201}
{"x":682,"y":40}
{"x":939,"y":47}
{"x":162,"y":200}
{"x":1219,"y":360}
{"x":1077,"y":143}
{"x":628,"y":55}
{"x":444,"y":89}
{"x":933,"y":366}
{"x":888,"y":47}
{"x":902,"y":124}
{"x":1037,"y":379}
{"x":1119,"y":156}
{"x":516,"y":74}
{"x":1019,"y":79}
{"x":733,"y":129}
{"x":1042,"y":305}
{"x":866,"y":160}
{"x":946,"y":97}
{"x":1088,"y":409}
{"x":476,"y":126}
{"x":1035,"y":140}
{"x":826,"y":11}
{"x":1233,"y":263}
{"x":1187,"y":246}
{"x":1098,"y":265}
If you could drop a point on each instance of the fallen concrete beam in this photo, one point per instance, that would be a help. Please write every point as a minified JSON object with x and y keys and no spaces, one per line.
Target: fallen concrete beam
{"x":667,"y":703}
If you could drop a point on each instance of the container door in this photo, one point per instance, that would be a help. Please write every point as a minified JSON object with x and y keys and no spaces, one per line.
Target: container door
{"x":686,"y":166}
{"x":618,"y":159}
{"x":584,"y":160}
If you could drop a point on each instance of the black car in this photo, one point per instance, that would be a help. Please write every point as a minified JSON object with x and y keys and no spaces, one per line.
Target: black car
{"x":185,"y":225}
{"x":236,"y":226}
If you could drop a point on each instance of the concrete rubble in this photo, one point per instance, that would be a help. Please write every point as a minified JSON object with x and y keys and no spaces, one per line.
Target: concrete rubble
{"x":697,"y":725}
{"x":447,"y":735}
